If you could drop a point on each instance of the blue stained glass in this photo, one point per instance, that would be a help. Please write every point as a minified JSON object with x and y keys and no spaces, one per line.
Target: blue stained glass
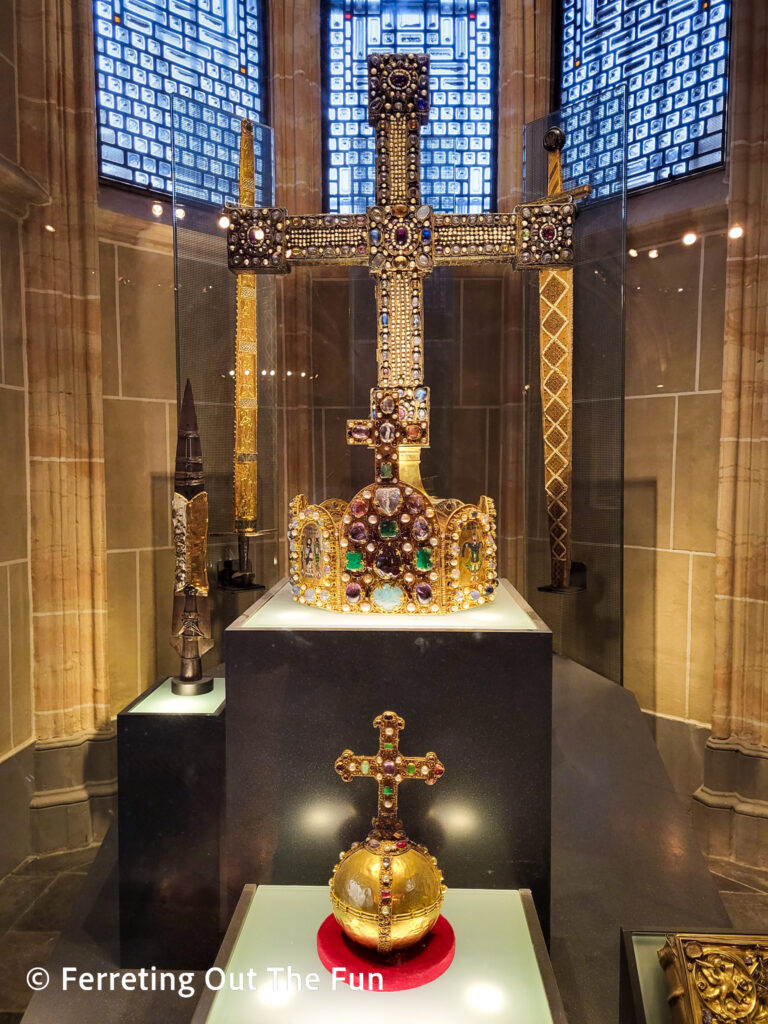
{"x":672,"y":56}
{"x":458,"y":152}
{"x":195,"y":62}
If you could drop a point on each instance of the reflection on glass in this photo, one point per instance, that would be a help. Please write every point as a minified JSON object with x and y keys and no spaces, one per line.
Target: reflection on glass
{"x":485,"y":998}
{"x":458,"y":820}
{"x":275,"y":992}
{"x":324,"y":818}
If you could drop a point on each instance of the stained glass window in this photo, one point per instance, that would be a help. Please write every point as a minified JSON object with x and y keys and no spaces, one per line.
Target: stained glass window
{"x":672,"y":56}
{"x":459,"y":143}
{"x":192,"y":62}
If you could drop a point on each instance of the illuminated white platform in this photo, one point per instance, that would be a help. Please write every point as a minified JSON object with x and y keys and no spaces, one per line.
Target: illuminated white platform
{"x":161,"y":700}
{"x":500,"y":974}
{"x":505,"y":612}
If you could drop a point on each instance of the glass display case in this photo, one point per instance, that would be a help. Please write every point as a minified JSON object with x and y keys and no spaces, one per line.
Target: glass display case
{"x":206,"y":330}
{"x":586,"y":622}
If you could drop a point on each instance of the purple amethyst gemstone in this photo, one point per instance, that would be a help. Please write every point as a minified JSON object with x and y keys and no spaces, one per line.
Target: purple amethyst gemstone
{"x":354,"y":592}
{"x":423,"y":593}
{"x":358,"y":533}
{"x":420,"y":528}
{"x":389,"y":767}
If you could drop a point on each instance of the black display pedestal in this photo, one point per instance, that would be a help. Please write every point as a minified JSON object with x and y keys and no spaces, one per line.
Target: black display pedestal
{"x":475,"y":687}
{"x":170,"y":815}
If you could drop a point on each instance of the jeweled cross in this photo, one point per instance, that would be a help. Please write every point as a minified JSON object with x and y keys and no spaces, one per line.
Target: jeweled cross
{"x":402,"y":240}
{"x":389,"y":768}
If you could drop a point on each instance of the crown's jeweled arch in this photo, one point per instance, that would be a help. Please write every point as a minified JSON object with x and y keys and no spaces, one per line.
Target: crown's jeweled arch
{"x":392,"y":548}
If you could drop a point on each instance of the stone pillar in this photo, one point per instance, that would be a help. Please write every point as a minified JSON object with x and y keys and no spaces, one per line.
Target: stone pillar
{"x":732,"y":804}
{"x":525,"y":91}
{"x":297,"y":121}
{"x":66,"y":457}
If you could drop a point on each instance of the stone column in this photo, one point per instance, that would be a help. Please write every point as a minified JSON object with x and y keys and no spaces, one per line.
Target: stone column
{"x":297,"y":122}
{"x":525,"y":90}
{"x":66,"y":457}
{"x":732,"y":804}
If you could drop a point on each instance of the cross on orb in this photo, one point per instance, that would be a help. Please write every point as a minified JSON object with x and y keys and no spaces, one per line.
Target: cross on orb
{"x":389,"y":768}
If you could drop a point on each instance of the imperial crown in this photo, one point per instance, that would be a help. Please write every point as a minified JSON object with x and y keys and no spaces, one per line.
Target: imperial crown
{"x":393,"y":548}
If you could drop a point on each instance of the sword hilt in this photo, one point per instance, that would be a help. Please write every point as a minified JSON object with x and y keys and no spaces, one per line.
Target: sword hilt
{"x":554,"y":140}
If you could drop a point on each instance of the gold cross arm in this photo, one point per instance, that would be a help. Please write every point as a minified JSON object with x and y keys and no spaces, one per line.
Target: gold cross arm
{"x":533,"y":236}
{"x":267,"y":241}
{"x":389,"y":768}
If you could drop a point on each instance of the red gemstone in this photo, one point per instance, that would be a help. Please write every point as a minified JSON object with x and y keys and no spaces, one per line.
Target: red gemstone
{"x":402,"y":844}
{"x":548,"y":232}
{"x":413,"y":431}
{"x":358,"y":507}
{"x":385,"y":895}
{"x":439,"y":770}
{"x":401,"y":235}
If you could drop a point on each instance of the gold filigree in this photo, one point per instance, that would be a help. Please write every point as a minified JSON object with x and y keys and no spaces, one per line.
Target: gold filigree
{"x":246,"y":466}
{"x":716,"y":979}
{"x":189,"y":525}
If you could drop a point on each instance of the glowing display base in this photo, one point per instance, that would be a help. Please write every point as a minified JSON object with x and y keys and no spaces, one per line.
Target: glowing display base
{"x":500,"y":973}
{"x":282,"y":612}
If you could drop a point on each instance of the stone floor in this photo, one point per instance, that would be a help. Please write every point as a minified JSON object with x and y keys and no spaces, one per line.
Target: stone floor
{"x":744,"y":891}
{"x":35,"y":901}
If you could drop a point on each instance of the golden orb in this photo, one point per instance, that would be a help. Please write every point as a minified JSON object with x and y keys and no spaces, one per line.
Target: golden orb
{"x":386,"y":895}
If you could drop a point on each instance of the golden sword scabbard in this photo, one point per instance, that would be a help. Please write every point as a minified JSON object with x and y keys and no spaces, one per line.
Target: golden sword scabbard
{"x":246,"y":369}
{"x":556,"y":365}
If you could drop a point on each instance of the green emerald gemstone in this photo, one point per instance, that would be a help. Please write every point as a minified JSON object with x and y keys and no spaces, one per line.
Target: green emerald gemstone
{"x":388,"y":791}
{"x":411,"y":769}
{"x":385,"y":471}
{"x":365,"y":766}
{"x":423,"y":558}
{"x":388,"y":746}
{"x":354,"y":560}
{"x":388,"y":529}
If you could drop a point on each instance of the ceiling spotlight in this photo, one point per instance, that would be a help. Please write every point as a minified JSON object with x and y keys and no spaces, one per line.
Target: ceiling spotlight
{"x":653,"y":254}
{"x":303,"y":373}
{"x":224,"y":222}
{"x":271,"y":373}
{"x":288,"y":373}
{"x":736,"y":231}
{"x":157,"y":209}
{"x":633,"y":253}
{"x":689,"y":238}
{"x":181,"y":213}
{"x":51,"y":228}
